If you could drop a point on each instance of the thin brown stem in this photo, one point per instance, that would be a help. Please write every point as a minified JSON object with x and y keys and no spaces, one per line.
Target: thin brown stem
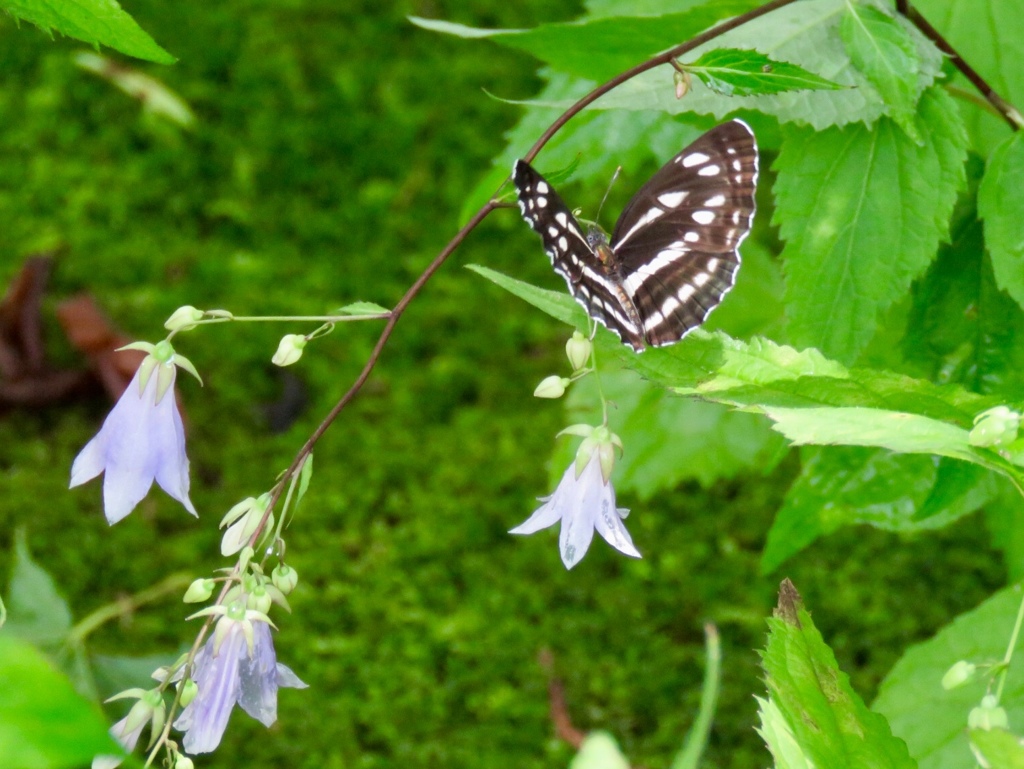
{"x":1007,"y":111}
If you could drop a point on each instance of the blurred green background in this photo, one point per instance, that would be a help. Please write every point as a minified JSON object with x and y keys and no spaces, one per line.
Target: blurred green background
{"x":334,"y":146}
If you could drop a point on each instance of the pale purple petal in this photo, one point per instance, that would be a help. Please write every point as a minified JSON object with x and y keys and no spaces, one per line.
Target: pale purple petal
{"x":261,"y":675}
{"x":578,"y":523}
{"x":554,"y":507}
{"x":217,"y":677}
{"x":140,"y":442}
{"x":610,"y":526}
{"x":172,"y":466}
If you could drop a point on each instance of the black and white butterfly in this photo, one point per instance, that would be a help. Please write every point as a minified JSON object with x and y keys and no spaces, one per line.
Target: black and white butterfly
{"x":674,"y":252}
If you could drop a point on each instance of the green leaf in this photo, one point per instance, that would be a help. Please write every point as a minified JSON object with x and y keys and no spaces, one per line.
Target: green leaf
{"x":556,"y":304}
{"x":1001,"y":749}
{"x":862,"y":212}
{"x":669,"y":438}
{"x":884,"y":51}
{"x":363,"y":308}
{"x":779,"y":737}
{"x":855,"y":426}
{"x":600,"y":48}
{"x":96,"y":22}
{"x":932,"y":720}
{"x":961,"y":327}
{"x":44,"y":724}
{"x":1004,"y":517}
{"x":305,"y":476}
{"x":849,"y":485}
{"x":828,"y":720}
{"x":805,"y":34}
{"x":730,"y":72}
{"x":599,"y":750}
{"x":987,"y":35}
{"x":1001,"y":205}
{"x":38,"y":613}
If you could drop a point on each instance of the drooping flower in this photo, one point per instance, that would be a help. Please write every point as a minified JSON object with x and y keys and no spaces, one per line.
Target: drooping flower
{"x":233,"y":671}
{"x":142,"y":439}
{"x":582,"y":503}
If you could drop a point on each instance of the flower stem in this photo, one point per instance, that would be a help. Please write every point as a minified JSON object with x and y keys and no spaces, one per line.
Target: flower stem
{"x":1010,"y":648}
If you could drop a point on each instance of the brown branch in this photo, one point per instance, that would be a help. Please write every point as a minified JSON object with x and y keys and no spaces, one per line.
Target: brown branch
{"x":414,"y":289}
{"x":1007,"y":111}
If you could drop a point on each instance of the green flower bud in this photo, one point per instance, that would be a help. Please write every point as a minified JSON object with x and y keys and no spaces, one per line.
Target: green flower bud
{"x":996,"y":427}
{"x":289,"y":350}
{"x":259,"y":600}
{"x":577,"y":349}
{"x":200,"y":590}
{"x":285,"y":578}
{"x":181,"y":761}
{"x":960,"y":673}
{"x":551,"y":387}
{"x":189,"y":690}
{"x":184,"y":318}
{"x":988,"y":715}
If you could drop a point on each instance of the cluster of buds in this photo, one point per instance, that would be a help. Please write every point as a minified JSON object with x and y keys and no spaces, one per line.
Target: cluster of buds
{"x":578,"y":350}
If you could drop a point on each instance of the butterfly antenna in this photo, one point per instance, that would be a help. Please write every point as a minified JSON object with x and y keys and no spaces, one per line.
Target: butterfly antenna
{"x":612,"y":182}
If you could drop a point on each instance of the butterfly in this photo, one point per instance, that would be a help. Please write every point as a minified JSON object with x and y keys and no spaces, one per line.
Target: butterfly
{"x":674,"y":252}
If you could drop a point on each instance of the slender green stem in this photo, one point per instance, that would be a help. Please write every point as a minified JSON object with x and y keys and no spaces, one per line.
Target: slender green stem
{"x":107,"y":612}
{"x":697,"y":738}
{"x":294,"y":318}
{"x":1010,"y":649}
{"x":597,"y":377}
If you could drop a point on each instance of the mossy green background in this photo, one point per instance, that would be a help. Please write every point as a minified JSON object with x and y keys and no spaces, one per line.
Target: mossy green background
{"x":334,"y":146}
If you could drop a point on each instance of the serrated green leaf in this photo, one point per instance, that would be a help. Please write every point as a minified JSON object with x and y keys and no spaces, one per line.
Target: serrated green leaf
{"x":848,"y":485}
{"x":38,"y":613}
{"x":363,"y":308}
{"x":1001,"y":205}
{"x":988,"y":35}
{"x":97,"y":22}
{"x":862,"y":212}
{"x":805,"y":34}
{"x":600,"y":48}
{"x":828,"y":720}
{"x":779,"y":737}
{"x":893,"y":430}
{"x":883,"y":50}
{"x":1001,"y":749}
{"x":731,"y":72}
{"x":43,"y":722}
{"x":933,"y":721}
{"x":961,"y":327}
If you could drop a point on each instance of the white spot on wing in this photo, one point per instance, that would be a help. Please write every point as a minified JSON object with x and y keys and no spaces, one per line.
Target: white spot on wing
{"x":669,"y":306}
{"x":672,"y":199}
{"x":712,"y":265}
{"x":542,"y":202}
{"x":562,"y":219}
{"x":686,"y":292}
{"x":703,"y":217}
{"x":700,"y":279}
{"x":717,"y":200}
{"x":694,"y":159}
{"x":709,"y":171}
{"x":644,"y":220}
{"x":691,"y":237}
{"x":563,"y":243}
{"x":542,"y":188}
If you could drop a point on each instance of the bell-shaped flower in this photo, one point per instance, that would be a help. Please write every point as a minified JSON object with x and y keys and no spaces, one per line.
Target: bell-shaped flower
{"x":583,"y":501}
{"x":242,"y":668}
{"x":142,"y":439}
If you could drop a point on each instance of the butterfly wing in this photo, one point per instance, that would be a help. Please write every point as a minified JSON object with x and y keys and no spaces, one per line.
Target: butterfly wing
{"x":572,"y":256}
{"x":677,"y":241}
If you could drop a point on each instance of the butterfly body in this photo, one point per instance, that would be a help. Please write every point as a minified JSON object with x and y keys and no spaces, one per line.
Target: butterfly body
{"x":674,"y":251}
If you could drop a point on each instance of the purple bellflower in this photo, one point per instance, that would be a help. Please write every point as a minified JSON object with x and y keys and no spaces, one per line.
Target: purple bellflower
{"x":584,"y":501}
{"x":142,"y":439}
{"x":240,"y":666}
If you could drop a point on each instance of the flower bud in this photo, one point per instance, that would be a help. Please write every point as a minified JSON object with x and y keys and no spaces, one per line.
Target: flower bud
{"x":259,"y":600}
{"x":551,"y":387}
{"x":683,"y":82}
{"x":184,"y":318}
{"x":189,"y":690}
{"x":181,"y":761}
{"x":988,"y":715}
{"x":285,"y":578}
{"x":578,"y":349}
{"x":960,"y":673}
{"x":996,"y":427}
{"x":200,"y":590}
{"x":289,"y":350}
